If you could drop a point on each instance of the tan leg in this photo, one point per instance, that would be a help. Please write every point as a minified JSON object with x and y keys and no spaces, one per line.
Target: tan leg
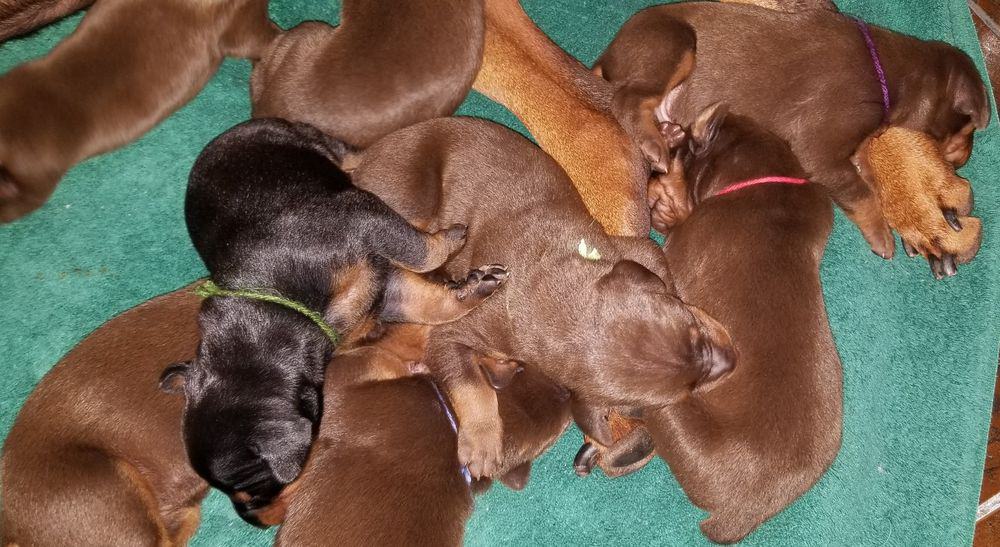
{"x":409,"y":298}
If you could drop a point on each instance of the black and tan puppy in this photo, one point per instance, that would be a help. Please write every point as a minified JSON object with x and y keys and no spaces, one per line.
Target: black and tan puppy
{"x":128,"y":66}
{"x":388,"y":65}
{"x":749,"y":255}
{"x":594,"y":313}
{"x":385,"y":471}
{"x":270,"y":212}
{"x":822,"y":96}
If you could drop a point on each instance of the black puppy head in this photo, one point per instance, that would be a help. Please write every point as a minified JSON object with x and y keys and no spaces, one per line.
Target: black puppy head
{"x":250,"y":417}
{"x":651,"y":345}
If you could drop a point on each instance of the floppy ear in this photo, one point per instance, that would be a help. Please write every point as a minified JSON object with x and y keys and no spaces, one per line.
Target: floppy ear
{"x":967,"y":90}
{"x":706,"y":126}
{"x":284,"y":456}
{"x":627,"y":275}
{"x":499,"y":373}
{"x":174,"y":377}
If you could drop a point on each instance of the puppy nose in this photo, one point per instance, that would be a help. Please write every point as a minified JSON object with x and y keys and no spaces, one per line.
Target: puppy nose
{"x":248,"y":515}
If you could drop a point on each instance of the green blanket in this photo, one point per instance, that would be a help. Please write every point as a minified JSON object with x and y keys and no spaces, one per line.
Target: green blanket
{"x":919,"y":356}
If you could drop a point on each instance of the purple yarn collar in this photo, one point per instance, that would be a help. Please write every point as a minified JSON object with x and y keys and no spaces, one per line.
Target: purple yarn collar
{"x":454,"y":426}
{"x":877,"y":63}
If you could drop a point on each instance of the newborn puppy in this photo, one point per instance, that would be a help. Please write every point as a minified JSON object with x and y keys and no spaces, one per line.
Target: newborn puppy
{"x":301,"y":255}
{"x":828,"y":100}
{"x":385,"y":471}
{"x":749,"y":255}
{"x":387,"y":66}
{"x":594,"y":313}
{"x":95,"y":454}
{"x":129,"y":65}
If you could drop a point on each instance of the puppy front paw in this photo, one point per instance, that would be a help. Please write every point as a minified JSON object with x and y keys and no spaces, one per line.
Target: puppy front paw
{"x":480,"y":283}
{"x":480,"y":448}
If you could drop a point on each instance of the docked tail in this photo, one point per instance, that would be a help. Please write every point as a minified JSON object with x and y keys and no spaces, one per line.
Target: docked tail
{"x":19,"y":17}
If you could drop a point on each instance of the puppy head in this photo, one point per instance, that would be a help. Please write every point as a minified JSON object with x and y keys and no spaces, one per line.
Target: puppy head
{"x":722,"y":147}
{"x":952,"y":102}
{"x":650,"y":345}
{"x":249,"y":417}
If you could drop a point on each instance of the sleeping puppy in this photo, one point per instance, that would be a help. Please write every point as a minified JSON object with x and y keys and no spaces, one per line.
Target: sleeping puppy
{"x":829,"y":100}
{"x":387,"y":66}
{"x":749,"y":255}
{"x":95,"y":454}
{"x":594,"y":313}
{"x":129,"y":65}
{"x":385,"y":471}
{"x":297,"y":255}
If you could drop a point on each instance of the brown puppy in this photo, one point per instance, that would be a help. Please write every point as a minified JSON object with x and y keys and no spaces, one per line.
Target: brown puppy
{"x":829,"y":101}
{"x":762,"y":436}
{"x":604,"y":325}
{"x":19,"y":17}
{"x":388,"y":65}
{"x":129,"y":65}
{"x":385,"y":470}
{"x":568,"y":111}
{"x":96,"y":456}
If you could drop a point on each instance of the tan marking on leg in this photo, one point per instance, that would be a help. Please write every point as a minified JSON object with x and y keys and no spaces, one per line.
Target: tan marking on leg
{"x":353,"y":289}
{"x":428,"y":303}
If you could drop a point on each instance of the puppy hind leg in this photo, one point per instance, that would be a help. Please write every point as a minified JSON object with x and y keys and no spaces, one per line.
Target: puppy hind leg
{"x":409,"y":298}
{"x":407,"y":247}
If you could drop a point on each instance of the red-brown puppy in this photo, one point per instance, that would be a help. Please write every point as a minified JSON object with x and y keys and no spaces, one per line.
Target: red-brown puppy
{"x":594,"y":313}
{"x":384,"y":470}
{"x":749,"y":255}
{"x":822,"y":95}
{"x":95,"y":456}
{"x":388,"y":65}
{"x":127,"y":66}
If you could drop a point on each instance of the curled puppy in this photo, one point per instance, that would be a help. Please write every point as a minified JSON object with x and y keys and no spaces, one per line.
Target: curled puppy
{"x":384,"y":470}
{"x":594,"y":313}
{"x":387,"y":66}
{"x":297,"y":255}
{"x":95,"y":455}
{"x":128,"y":66}
{"x":749,"y":255}
{"x":823,"y":96}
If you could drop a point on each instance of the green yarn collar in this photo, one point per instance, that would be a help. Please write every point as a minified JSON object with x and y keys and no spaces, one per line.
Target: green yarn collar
{"x":209,"y":288}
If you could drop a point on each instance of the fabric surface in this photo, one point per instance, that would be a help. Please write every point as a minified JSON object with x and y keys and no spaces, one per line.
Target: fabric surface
{"x":919,"y":356}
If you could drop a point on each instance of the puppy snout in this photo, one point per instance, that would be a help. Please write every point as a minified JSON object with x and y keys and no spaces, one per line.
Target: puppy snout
{"x":714,"y":349}
{"x":262,"y":513}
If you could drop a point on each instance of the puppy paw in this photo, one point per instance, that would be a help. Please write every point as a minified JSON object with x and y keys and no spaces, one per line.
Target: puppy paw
{"x":480,"y":448}
{"x":923,"y":200}
{"x":654,"y":149}
{"x":480,"y":283}
{"x":668,"y":201}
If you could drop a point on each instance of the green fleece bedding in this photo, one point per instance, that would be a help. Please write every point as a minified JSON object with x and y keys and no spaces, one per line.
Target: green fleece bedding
{"x":919,"y":356}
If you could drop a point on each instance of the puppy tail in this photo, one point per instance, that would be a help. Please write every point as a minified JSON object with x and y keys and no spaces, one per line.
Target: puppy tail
{"x":19,"y":17}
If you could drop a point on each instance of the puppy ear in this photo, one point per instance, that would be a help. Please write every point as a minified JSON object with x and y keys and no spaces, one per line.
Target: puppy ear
{"x":499,"y":373}
{"x":706,"y":126}
{"x":285,"y":450}
{"x":516,"y":479}
{"x":174,"y":377}
{"x":967,"y":90}
{"x":592,"y":420}
{"x":627,"y":275}
{"x":712,"y":346}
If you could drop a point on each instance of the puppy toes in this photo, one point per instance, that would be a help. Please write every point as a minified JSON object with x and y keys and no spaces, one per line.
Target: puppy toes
{"x":654,"y":149}
{"x":479,"y":449}
{"x":481,"y":282}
